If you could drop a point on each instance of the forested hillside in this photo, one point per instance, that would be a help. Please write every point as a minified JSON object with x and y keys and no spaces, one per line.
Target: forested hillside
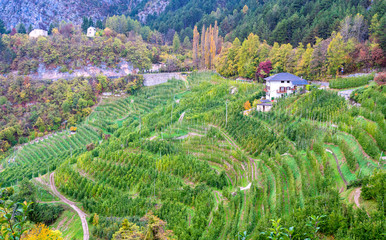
{"x":31,"y":109}
{"x":282,"y":21}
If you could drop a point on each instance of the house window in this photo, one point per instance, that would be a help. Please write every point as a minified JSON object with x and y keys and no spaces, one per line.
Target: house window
{"x":282,"y":81}
{"x":288,"y":81}
{"x":288,"y":88}
{"x":282,"y":89}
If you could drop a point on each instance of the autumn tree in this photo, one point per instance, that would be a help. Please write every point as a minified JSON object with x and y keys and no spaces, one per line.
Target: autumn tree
{"x":247,"y":105}
{"x":303,"y":66}
{"x":337,"y":53}
{"x":263,"y":70}
{"x":196,"y":47}
{"x":41,"y":231}
{"x":128,"y":231}
{"x":248,"y":56}
{"x":203,"y":46}
{"x":245,"y":9}
{"x":155,"y":228}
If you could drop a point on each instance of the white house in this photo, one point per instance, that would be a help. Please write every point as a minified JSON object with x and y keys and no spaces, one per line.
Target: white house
{"x":91,"y":32}
{"x":38,"y":33}
{"x":283,"y":84}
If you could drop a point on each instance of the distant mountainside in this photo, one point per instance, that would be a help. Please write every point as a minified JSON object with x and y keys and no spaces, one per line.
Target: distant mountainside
{"x":282,"y":21}
{"x":40,"y":13}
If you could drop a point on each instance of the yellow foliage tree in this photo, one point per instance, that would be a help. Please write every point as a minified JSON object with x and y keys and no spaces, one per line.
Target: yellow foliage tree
{"x":245,"y":9}
{"x":196,"y":46}
{"x":128,"y":231}
{"x":42,"y":232}
{"x":247,"y":105}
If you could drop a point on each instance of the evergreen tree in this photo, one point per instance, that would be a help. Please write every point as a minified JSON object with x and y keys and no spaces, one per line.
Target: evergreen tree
{"x":2,"y":27}
{"x":187,"y":43}
{"x":90,"y":22}
{"x":21,"y":29}
{"x":50,"y":29}
{"x":99,"y":24}
{"x":176,"y":42}
{"x":30,"y":28}
{"x":85,"y":24}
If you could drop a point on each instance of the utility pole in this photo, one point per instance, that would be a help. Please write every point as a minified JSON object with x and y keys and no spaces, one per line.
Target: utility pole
{"x":226,"y":113}
{"x":140,"y":125}
{"x":171,"y":114}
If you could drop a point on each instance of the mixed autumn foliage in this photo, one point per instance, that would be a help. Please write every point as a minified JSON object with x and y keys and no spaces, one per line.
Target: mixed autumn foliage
{"x":31,"y":109}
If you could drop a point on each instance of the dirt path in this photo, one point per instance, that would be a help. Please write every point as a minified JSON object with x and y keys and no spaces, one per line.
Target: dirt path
{"x":337,"y":164}
{"x":82,"y":215}
{"x":188,"y":135}
{"x":181,"y":117}
{"x":356,"y":197}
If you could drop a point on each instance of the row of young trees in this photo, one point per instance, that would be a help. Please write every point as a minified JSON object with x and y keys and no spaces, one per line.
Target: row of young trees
{"x":293,"y":186}
{"x":205,"y":51}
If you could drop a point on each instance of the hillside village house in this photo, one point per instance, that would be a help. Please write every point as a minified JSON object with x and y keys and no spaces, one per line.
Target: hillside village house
{"x":38,"y":33}
{"x":283,"y":84}
{"x":91,"y":31}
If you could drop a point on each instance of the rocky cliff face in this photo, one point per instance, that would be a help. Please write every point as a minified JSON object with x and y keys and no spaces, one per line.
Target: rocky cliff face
{"x":40,"y":13}
{"x":152,"y":7}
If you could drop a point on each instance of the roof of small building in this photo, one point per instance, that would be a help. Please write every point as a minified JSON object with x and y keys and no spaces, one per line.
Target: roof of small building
{"x":287,"y":77}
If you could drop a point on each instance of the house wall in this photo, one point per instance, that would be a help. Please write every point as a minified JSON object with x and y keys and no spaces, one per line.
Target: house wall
{"x":37,"y":33}
{"x":274,"y":87}
{"x":91,"y":32}
{"x":262,"y":108}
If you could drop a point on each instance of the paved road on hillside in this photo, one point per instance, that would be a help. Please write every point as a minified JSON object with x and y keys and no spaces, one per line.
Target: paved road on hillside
{"x":81,"y":214}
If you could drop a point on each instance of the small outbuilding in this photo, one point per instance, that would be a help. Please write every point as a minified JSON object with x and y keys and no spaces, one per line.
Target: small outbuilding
{"x":38,"y":33}
{"x":91,"y":31}
{"x":264,"y":106}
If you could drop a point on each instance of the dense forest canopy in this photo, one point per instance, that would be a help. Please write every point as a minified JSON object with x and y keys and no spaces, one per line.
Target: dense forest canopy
{"x":282,"y":21}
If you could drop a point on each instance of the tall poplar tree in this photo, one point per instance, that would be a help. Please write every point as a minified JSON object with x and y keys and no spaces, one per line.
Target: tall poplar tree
{"x":196,"y":47}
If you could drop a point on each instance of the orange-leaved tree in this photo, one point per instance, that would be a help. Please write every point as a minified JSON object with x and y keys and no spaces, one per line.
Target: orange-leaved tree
{"x":247,"y":105}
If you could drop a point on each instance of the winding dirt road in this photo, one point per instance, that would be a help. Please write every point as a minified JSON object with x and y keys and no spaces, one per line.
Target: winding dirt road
{"x":357,"y":194}
{"x":81,"y":214}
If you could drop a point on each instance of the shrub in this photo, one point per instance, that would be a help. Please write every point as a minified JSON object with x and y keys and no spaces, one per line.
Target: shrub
{"x":350,"y":82}
{"x":45,"y":213}
{"x":380,"y":78}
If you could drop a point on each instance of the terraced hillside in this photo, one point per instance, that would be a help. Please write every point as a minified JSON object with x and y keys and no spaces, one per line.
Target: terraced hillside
{"x":213,"y":178}
{"x":46,"y":154}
